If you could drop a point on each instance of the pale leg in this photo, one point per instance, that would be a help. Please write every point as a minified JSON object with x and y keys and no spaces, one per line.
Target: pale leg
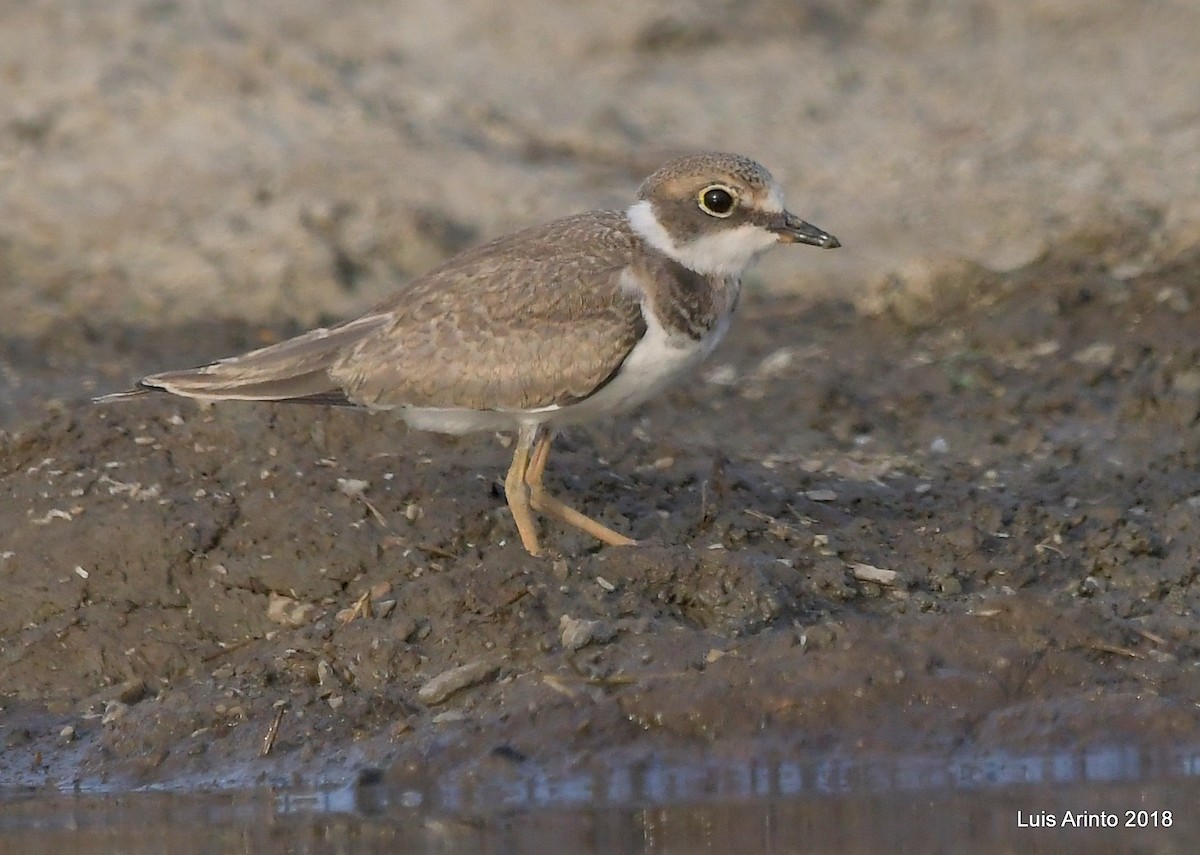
{"x":517,"y":491}
{"x":544,"y":502}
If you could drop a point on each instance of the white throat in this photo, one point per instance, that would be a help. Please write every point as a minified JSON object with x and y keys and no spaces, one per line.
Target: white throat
{"x":724,"y":253}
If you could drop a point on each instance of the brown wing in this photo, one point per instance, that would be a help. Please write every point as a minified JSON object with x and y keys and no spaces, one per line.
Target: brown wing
{"x":525,"y":322}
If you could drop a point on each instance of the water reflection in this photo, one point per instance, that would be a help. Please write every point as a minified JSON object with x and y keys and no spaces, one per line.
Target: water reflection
{"x":979,"y":803}
{"x":609,"y":782}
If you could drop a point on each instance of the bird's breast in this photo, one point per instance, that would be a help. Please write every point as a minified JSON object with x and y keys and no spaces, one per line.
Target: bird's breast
{"x":685,"y":302}
{"x":661,"y":356}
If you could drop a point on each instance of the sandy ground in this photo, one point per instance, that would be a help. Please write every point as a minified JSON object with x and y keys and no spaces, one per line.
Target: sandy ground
{"x":913,"y":504}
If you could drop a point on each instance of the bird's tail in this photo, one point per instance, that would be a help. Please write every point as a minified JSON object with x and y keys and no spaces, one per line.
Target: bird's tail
{"x":292,"y":370}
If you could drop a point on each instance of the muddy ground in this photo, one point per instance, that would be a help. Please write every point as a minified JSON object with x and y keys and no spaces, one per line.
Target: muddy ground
{"x":958,"y":513}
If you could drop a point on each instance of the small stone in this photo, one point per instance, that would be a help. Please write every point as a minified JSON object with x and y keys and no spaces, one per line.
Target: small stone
{"x":776,"y":363}
{"x":288,"y":612}
{"x":578,"y":633}
{"x":447,"y":683}
{"x":871,"y":573}
{"x":353,"y":487}
{"x":383,"y":608}
{"x":1099,"y":355}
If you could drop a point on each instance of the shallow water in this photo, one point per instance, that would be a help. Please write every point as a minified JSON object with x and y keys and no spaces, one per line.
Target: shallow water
{"x":1132,"y":799}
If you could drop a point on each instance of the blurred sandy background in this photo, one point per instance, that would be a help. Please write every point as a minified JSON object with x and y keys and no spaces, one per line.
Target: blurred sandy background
{"x":162,"y":161}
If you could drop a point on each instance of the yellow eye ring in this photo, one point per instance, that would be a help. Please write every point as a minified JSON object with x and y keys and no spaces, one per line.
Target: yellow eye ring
{"x":717,"y":200}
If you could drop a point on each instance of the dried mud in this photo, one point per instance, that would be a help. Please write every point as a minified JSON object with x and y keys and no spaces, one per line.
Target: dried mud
{"x":958,"y":515}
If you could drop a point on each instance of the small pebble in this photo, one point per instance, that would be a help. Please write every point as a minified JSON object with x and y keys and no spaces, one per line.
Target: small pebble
{"x":578,"y":633}
{"x":447,"y":683}
{"x":353,"y":487}
{"x":1099,"y":355}
{"x":288,"y":612}
{"x":871,"y":573}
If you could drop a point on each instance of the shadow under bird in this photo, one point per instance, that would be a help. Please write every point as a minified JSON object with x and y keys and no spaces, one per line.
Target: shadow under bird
{"x":558,"y":324}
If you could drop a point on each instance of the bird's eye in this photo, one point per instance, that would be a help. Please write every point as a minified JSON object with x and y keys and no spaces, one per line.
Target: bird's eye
{"x":717,"y":200}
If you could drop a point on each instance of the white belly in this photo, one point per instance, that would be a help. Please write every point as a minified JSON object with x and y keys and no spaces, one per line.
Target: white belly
{"x":655,"y":362}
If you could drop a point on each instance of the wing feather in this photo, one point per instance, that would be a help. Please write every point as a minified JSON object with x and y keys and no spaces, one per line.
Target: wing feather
{"x":294,"y":369}
{"x":526,"y":322}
